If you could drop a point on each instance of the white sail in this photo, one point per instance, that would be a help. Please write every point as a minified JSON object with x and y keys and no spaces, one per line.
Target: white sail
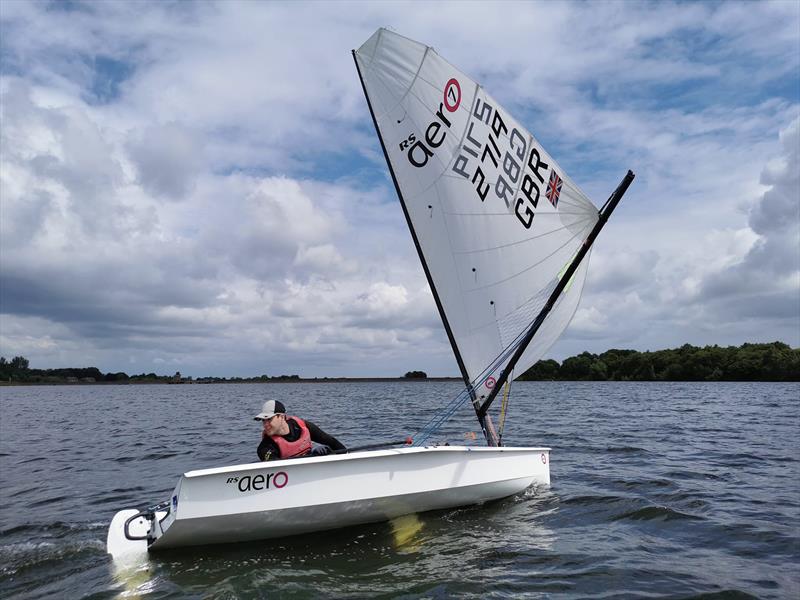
{"x":495,"y":218}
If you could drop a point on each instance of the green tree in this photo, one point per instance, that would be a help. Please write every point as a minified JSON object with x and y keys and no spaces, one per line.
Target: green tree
{"x":19,"y":363}
{"x":416,"y":375}
{"x":598,"y":371}
{"x":543,"y":370}
{"x":577,"y":368}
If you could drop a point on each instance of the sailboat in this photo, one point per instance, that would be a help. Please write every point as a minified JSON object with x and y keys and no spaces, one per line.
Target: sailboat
{"x":504,"y":237}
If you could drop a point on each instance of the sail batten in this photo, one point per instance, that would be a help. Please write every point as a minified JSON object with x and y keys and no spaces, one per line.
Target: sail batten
{"x":494,"y":217}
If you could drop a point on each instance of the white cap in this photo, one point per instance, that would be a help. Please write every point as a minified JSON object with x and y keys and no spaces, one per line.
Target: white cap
{"x":270,"y":409}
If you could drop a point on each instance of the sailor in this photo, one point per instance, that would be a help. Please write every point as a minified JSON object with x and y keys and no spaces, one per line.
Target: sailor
{"x":285,"y":436}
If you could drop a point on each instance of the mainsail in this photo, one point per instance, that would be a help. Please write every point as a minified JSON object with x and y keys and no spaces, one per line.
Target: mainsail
{"x":496,"y":220}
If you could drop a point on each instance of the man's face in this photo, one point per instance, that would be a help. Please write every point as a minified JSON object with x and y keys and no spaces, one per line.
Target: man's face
{"x":273,"y":425}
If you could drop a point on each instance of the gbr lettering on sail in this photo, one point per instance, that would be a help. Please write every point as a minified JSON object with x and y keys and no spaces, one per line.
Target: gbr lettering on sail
{"x":494,"y":157}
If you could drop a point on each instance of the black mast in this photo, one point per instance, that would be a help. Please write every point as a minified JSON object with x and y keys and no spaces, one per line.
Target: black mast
{"x":481,"y":416}
{"x":608,"y":208}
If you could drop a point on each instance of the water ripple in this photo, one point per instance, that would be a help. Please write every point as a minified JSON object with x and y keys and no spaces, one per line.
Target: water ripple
{"x":658,"y":490}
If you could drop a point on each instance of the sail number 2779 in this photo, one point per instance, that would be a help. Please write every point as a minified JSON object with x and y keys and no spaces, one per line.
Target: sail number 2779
{"x":488,"y":153}
{"x":499,"y":156}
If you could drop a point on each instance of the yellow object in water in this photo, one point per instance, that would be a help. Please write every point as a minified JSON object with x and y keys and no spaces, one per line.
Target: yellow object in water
{"x":404,"y":529}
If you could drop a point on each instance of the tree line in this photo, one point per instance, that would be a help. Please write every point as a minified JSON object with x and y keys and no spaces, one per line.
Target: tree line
{"x":17,"y":370}
{"x":749,"y":362}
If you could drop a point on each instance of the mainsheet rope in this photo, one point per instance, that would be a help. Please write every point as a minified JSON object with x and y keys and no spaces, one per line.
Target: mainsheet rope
{"x":501,"y":421}
{"x":449,"y":410}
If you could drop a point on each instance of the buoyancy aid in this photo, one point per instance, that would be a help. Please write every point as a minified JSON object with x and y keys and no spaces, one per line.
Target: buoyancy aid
{"x":300,"y":447}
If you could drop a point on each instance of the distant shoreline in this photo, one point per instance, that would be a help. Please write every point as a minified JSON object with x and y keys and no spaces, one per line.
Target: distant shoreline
{"x":323,"y":380}
{"x":774,"y":361}
{"x":229,"y":382}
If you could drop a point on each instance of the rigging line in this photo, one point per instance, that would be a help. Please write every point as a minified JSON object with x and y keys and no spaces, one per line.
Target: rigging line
{"x":444,"y":414}
{"x":510,"y":244}
{"x":501,"y":421}
{"x":481,"y":378}
{"x":476,"y":383}
{"x":525,"y":270}
{"x":435,"y":423}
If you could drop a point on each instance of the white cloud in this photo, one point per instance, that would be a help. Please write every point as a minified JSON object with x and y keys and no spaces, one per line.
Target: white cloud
{"x":765,"y":281}
{"x":168,"y":158}
{"x":200,"y":184}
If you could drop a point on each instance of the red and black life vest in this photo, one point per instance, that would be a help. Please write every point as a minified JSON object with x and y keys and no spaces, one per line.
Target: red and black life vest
{"x":300,"y":447}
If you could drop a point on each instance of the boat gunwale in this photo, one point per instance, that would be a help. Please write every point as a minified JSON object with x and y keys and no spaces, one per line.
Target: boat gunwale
{"x":294,"y":462}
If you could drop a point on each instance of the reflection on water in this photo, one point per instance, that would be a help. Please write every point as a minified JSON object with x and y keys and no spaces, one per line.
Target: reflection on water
{"x":133,"y":577}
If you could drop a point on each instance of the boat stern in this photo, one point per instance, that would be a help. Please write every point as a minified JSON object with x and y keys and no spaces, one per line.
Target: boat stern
{"x":119,"y":545}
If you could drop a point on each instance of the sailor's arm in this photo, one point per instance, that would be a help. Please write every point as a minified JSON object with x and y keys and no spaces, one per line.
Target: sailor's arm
{"x":320,"y":437}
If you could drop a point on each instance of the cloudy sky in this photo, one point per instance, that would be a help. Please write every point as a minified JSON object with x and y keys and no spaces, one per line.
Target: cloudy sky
{"x":198,"y":186}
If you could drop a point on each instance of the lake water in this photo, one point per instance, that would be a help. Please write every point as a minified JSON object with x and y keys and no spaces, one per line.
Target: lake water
{"x":679,"y":490}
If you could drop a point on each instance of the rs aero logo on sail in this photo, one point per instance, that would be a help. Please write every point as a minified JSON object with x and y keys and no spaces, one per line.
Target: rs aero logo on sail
{"x":419,"y":151}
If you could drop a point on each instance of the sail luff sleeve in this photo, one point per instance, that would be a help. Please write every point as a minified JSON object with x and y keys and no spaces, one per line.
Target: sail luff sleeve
{"x":611,"y":204}
{"x":450,"y":337}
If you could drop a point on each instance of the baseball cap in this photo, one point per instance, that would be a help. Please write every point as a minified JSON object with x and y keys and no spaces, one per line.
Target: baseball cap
{"x":270,"y":409}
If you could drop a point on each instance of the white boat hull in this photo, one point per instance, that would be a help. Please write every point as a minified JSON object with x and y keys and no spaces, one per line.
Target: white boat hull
{"x":290,"y":497}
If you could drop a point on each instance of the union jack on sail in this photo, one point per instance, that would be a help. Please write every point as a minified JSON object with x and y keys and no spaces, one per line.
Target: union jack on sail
{"x":554,"y":189}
